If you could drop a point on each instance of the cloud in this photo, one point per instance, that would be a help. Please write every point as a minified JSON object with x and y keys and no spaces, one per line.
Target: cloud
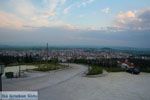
{"x":66,"y":10}
{"x":49,"y":7}
{"x":134,"y":20}
{"x":10,"y":20}
{"x":106,"y":10}
{"x":128,"y":14}
{"x":83,"y":3}
{"x":26,"y":15}
{"x":86,"y":2}
{"x":81,"y":16}
{"x":23,"y":8}
{"x":52,"y":6}
{"x":63,"y":1}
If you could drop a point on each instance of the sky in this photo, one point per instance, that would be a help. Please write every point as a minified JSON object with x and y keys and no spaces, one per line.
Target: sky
{"x":75,"y":22}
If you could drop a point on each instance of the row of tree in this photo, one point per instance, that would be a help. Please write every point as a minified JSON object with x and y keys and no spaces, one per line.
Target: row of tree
{"x":142,"y":63}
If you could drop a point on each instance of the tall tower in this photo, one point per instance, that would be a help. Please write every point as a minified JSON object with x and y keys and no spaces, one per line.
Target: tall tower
{"x":47,"y":51}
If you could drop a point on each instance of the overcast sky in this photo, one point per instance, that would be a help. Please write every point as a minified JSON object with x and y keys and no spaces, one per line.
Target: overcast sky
{"x":75,"y":22}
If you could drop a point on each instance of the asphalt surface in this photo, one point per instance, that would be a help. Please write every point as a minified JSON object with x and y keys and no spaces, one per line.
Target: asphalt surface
{"x":71,"y":84}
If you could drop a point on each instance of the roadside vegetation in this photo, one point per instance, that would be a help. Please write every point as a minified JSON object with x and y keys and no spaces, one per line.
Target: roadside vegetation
{"x":49,"y":67}
{"x":114,"y":69}
{"x":109,"y":65}
{"x":95,"y":70}
{"x":147,"y":70}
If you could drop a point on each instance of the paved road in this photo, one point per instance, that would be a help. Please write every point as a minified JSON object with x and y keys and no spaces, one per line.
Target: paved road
{"x":38,"y":81}
{"x":70,"y":84}
{"x":114,"y":86}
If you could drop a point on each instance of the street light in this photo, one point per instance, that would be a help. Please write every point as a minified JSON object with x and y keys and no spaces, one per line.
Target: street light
{"x":1,"y":73}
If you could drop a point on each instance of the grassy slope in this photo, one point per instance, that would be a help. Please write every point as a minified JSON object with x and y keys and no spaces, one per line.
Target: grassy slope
{"x":48,"y":67}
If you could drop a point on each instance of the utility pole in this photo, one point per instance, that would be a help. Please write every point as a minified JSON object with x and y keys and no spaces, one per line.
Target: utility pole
{"x":67,"y":59}
{"x":1,"y":73}
{"x":19,"y":71}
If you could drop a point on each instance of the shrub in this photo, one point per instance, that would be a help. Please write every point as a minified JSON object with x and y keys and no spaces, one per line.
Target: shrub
{"x":114,"y":69}
{"x":9,"y":74}
{"x":147,"y":70}
{"x":95,"y":70}
{"x":48,"y":67}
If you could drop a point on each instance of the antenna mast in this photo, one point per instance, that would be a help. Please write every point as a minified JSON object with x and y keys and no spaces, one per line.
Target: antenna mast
{"x":47,"y":51}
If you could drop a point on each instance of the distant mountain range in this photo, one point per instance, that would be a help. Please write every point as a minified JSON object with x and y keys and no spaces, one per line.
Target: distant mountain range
{"x":112,"y":48}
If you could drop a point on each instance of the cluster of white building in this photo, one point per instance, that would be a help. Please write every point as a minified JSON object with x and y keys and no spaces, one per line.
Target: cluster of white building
{"x":65,"y":54}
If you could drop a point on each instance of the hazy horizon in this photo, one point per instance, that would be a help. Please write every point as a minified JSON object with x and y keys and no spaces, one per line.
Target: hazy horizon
{"x":2,"y":46}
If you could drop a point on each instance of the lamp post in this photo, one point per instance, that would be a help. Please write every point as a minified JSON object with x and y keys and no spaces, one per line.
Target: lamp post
{"x":1,"y":73}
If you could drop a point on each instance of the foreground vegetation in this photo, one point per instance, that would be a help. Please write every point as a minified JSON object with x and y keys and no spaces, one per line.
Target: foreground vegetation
{"x":114,"y":69}
{"x":110,"y":65}
{"x":95,"y":70}
{"x":49,"y":66}
{"x":147,"y":70}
